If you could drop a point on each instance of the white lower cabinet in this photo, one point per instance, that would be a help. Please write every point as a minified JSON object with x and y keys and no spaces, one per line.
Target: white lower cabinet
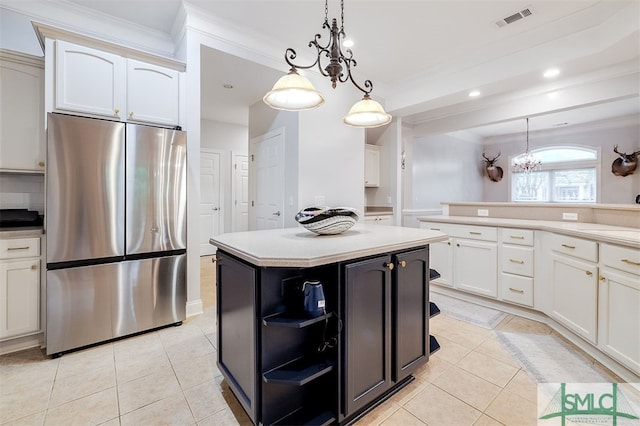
{"x":19,"y":287}
{"x":475,"y":267}
{"x":441,"y":259}
{"x":19,"y":297}
{"x":386,"y":219}
{"x":575,"y":294}
{"x":619,"y":305}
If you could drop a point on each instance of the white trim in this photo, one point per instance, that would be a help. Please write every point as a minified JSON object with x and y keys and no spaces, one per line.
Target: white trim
{"x":21,"y":343}
{"x":194,"y":307}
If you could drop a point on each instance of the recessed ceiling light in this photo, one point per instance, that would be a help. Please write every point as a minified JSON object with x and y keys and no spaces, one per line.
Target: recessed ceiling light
{"x":228,"y":86}
{"x":551,"y":72}
{"x":474,"y":93}
{"x":347,"y":43}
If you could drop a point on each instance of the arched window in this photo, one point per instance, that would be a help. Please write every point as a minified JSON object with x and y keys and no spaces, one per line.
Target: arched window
{"x":568,"y":174}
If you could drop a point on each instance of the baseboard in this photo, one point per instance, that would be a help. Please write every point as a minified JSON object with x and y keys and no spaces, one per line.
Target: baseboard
{"x":194,"y":308}
{"x":21,"y":343}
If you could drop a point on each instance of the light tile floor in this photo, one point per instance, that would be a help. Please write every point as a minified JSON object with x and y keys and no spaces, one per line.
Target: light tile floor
{"x":170,"y":377}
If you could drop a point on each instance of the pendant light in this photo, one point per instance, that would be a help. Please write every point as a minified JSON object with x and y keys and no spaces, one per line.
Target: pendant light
{"x":526,"y":163}
{"x":294,"y":92}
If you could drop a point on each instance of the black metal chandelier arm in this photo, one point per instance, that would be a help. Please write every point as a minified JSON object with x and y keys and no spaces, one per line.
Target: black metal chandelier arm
{"x":290,"y":55}
{"x":348,"y":76}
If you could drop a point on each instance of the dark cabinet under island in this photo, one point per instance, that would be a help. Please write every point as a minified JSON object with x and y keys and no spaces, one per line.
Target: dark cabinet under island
{"x":286,"y":367}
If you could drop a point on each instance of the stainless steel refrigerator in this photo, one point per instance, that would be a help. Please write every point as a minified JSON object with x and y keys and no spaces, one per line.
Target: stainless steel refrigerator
{"x":115,"y":230}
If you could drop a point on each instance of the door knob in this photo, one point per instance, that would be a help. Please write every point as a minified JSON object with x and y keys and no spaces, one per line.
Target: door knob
{"x":276,"y":213}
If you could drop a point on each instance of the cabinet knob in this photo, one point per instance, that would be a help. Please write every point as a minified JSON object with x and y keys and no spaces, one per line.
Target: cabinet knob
{"x":602,"y":278}
{"x":34,"y":267}
{"x":589,"y":273}
{"x":457,"y":244}
{"x":389,"y":265}
{"x":402,"y":263}
{"x":449,"y":242}
{"x":41,"y":164}
{"x":131,"y":114}
{"x":116,"y":111}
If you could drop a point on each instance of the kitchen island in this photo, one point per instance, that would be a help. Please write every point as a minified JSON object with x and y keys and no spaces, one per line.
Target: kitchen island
{"x":286,"y":367}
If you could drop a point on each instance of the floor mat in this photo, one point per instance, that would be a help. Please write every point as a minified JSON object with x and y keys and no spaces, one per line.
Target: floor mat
{"x":469,"y":312}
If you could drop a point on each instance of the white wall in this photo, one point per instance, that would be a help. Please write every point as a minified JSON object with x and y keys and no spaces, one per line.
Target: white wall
{"x":444,"y":169}
{"x":18,"y":191}
{"x":17,"y":33}
{"x":612,"y":190}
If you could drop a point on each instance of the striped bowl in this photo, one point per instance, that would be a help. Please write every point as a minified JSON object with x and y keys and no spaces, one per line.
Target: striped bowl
{"x":327,"y":220}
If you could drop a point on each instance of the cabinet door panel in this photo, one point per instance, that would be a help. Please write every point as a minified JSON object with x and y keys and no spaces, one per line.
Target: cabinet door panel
{"x":237,"y":339}
{"x":410,"y":312}
{"x":367,"y":332}
{"x":619,"y":317}
{"x":476,"y":264}
{"x":89,"y":80}
{"x":21,"y":103}
{"x":153,"y":93}
{"x":441,"y":259}
{"x":19,"y":297}
{"x":574,"y":295}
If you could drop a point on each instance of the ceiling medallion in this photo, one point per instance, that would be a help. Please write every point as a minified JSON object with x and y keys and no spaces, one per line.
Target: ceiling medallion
{"x":293,"y":92}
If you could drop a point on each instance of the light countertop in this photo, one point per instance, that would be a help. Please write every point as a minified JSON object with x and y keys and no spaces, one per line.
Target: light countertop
{"x":593,"y":231}
{"x":297,"y":247}
{"x":21,"y":232}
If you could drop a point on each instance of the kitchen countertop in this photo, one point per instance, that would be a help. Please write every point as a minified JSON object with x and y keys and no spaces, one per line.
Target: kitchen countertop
{"x":21,"y":232}
{"x":593,"y":231}
{"x":297,"y":247}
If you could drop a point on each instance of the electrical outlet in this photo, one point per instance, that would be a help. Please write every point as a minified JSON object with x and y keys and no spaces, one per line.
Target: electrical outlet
{"x":483,"y":212}
{"x":569,"y":216}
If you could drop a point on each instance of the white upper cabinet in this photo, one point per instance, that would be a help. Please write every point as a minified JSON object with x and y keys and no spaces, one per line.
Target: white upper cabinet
{"x":21,"y":113}
{"x":89,"y":81}
{"x":97,"y":83}
{"x":153,"y":93}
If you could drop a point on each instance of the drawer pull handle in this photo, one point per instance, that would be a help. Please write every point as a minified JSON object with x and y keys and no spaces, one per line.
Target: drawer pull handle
{"x":517,"y":237}
{"x":589,"y":273}
{"x":435,"y":229}
{"x":631,"y":262}
{"x":568,"y":246}
{"x":520,"y":262}
{"x":475,"y":233}
{"x":17,"y":248}
{"x":515,"y":290}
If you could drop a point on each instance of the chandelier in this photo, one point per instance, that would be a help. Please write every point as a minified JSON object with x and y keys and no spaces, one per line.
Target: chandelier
{"x":293,"y":92}
{"x":526,"y":163}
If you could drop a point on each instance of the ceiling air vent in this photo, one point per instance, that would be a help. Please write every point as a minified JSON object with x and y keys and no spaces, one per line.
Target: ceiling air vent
{"x":515,"y":17}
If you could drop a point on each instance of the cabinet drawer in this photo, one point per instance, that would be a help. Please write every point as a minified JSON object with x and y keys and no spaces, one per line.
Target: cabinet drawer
{"x":517,"y":289}
{"x":435,"y":226}
{"x":522,"y":237}
{"x":582,"y":249}
{"x":517,"y":260}
{"x":622,"y":258}
{"x":483,"y":233}
{"x":19,"y":247}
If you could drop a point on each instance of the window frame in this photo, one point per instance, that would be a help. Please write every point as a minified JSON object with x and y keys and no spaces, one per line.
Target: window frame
{"x":561,"y":165}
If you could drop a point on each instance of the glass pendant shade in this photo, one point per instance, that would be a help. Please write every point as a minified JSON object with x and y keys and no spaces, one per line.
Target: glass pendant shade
{"x":367,"y":113}
{"x":293,"y":92}
{"x":526,"y":163}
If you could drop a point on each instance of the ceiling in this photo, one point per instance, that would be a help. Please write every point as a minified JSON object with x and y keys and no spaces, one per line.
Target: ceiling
{"x":424,"y":55}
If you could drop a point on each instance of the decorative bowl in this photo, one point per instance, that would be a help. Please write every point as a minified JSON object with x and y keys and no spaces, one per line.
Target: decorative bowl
{"x":327,"y":220}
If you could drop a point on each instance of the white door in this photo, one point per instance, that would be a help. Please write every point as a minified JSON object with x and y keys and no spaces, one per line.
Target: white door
{"x":267,"y":166}
{"x":240,"y":193}
{"x":211,"y":197}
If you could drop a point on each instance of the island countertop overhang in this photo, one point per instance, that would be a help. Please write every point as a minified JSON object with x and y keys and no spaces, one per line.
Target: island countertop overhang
{"x":297,"y":247}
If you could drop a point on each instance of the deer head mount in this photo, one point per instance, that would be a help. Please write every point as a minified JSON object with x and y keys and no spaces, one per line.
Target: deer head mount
{"x":625,"y":164}
{"x":494,"y":172}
